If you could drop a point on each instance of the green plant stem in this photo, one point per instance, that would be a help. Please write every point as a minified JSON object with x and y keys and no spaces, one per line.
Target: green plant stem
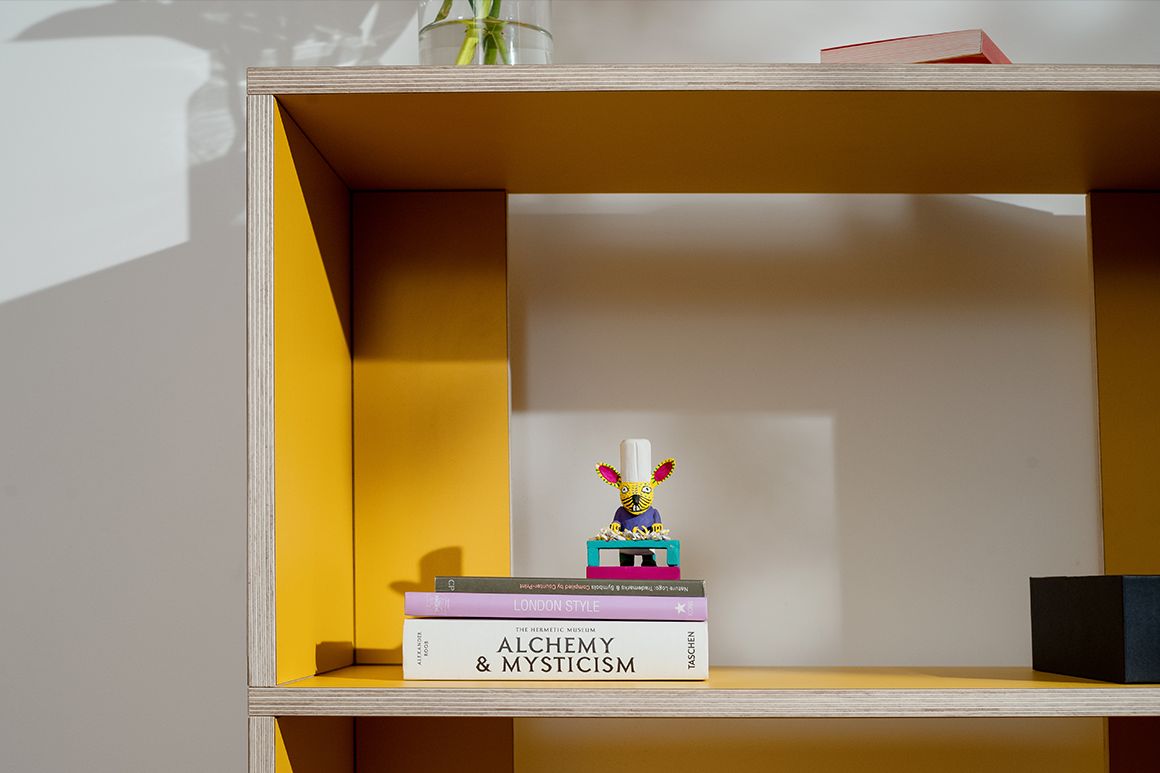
{"x":467,"y":50}
{"x":503,"y":52}
{"x":444,"y":10}
{"x":494,"y":43}
{"x":471,"y":37}
{"x":489,"y":49}
{"x":484,"y":11}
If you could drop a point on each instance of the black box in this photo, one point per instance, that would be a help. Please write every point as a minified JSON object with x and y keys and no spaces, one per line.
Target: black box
{"x":1105,"y":627}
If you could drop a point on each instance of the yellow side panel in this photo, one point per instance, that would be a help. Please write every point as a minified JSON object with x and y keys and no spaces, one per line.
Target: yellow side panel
{"x":314,"y":745}
{"x":314,"y":594}
{"x":393,"y":744}
{"x":430,"y":400}
{"x":1125,"y":252}
{"x":810,"y":745}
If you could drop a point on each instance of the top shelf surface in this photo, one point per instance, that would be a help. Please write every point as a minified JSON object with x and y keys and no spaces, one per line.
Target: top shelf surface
{"x":704,"y":77}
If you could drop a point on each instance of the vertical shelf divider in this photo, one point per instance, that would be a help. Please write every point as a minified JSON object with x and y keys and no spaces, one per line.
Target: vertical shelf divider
{"x":260,"y":388}
{"x":1125,"y":253}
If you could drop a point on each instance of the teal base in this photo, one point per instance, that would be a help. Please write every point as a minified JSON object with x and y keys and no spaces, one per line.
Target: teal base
{"x":672,"y":548}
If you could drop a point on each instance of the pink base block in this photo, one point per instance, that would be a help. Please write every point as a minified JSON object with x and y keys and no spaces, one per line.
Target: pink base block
{"x":634,"y":572}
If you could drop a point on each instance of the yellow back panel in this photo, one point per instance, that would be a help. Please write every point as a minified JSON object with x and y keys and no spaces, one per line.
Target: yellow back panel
{"x":392,"y":744}
{"x":813,"y":745}
{"x":430,"y":400}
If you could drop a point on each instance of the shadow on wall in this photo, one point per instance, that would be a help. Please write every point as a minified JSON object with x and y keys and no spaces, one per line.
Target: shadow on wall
{"x":446,"y":562}
{"x":236,"y":35}
{"x":122,"y":418}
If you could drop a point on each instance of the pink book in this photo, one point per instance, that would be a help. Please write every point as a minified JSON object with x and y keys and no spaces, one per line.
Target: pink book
{"x":633,"y":572}
{"x":542,"y":605}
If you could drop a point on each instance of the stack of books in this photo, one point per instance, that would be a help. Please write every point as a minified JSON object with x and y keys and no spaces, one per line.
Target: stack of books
{"x":556,"y":628}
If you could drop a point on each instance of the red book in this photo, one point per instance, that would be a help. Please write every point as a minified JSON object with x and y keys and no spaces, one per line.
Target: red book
{"x":961,"y":47}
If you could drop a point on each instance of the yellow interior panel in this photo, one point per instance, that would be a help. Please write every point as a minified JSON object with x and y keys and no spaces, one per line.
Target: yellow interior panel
{"x":739,"y":141}
{"x":1125,"y":255}
{"x":314,"y":745}
{"x":810,"y":746}
{"x":1126,"y":272}
{"x":434,"y":744}
{"x":314,"y":602}
{"x":431,"y":400}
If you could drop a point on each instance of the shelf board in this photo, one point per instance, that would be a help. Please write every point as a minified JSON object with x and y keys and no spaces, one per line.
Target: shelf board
{"x":729,"y":692}
{"x":704,"y":77}
{"x":804,"y":128}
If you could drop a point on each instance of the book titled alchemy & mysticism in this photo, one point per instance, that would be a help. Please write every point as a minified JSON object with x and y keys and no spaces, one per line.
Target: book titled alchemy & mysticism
{"x":435,"y":648}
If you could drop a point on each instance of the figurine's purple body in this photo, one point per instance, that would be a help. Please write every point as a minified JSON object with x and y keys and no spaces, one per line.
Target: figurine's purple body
{"x":645,"y":520}
{"x":628,"y":522}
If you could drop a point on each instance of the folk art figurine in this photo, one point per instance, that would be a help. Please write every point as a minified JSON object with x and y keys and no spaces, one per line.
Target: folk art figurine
{"x":636,"y":519}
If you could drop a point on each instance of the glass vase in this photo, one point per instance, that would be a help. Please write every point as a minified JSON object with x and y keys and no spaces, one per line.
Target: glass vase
{"x":462,"y":32}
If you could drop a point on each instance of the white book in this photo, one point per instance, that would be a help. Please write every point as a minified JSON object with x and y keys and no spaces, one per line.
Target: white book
{"x":435,"y":648}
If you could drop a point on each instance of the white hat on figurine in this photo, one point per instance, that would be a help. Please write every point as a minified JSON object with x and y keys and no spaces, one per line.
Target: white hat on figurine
{"x":635,"y":459}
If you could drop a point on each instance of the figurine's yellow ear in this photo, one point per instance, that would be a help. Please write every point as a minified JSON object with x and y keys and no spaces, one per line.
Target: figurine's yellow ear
{"x":664,"y":470}
{"x":608,"y":473}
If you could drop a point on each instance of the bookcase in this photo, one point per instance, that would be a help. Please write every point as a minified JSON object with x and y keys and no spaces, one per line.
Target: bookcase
{"x":378,"y":359}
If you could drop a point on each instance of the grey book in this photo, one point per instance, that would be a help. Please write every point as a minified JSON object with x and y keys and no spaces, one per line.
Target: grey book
{"x":569,"y":585}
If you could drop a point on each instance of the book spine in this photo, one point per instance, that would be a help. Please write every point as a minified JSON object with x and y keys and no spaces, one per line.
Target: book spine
{"x":992,"y":52}
{"x":435,"y":648}
{"x":571,"y":586}
{"x":532,"y":605}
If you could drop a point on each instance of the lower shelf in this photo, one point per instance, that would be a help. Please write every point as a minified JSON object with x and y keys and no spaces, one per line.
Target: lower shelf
{"x":729,"y":692}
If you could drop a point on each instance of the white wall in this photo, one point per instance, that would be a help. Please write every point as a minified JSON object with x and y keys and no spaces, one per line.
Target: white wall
{"x":880,"y":407}
{"x":883,"y":417}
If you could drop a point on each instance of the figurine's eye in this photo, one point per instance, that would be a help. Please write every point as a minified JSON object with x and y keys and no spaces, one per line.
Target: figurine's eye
{"x":624,"y":490}
{"x":646,"y":490}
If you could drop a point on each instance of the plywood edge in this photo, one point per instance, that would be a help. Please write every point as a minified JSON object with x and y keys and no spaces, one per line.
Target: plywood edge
{"x":662,"y":702}
{"x":260,"y":386}
{"x":261,"y":745}
{"x":731,"y":77}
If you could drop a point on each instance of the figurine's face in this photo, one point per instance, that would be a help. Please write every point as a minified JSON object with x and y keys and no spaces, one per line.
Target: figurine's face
{"x":636,"y":497}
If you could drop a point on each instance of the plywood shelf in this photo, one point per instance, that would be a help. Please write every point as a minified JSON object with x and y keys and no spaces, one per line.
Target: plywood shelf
{"x":729,"y":692}
{"x":282,"y":81}
{"x":323,"y":146}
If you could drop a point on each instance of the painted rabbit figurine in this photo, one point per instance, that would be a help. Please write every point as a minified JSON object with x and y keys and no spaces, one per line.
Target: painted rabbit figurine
{"x":636,"y":513}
